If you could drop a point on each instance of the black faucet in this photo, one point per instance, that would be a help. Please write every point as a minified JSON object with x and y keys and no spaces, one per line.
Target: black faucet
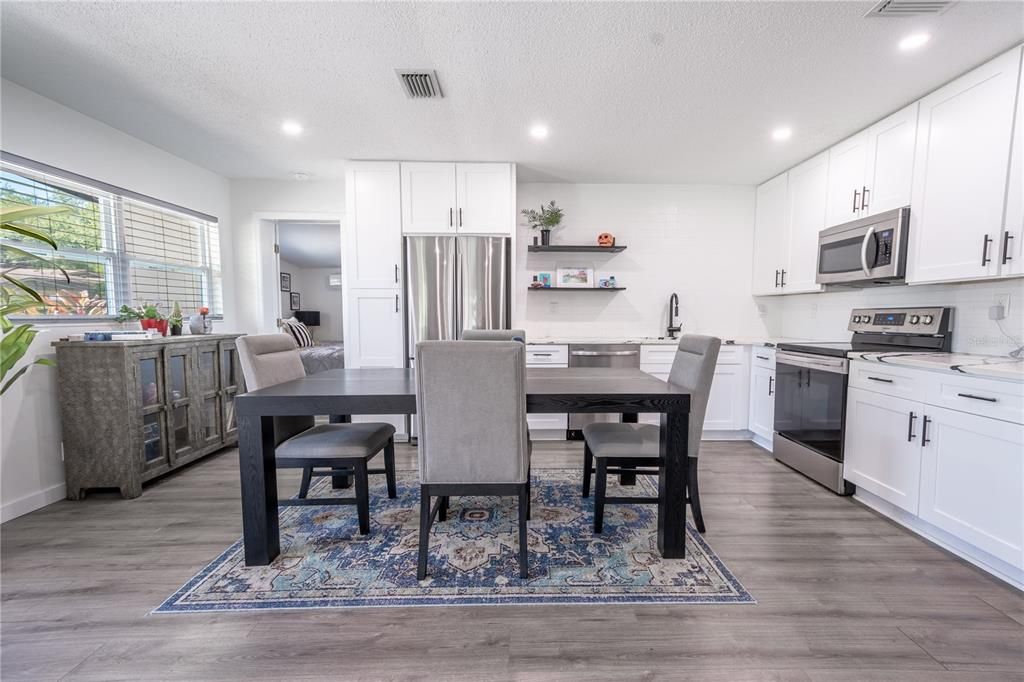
{"x":673,"y":313}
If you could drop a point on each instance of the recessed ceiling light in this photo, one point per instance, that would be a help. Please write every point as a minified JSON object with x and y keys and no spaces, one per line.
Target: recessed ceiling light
{"x":300,"y":175}
{"x":539,"y":131}
{"x":783,"y":133}
{"x":292,"y":128}
{"x":914,"y":41}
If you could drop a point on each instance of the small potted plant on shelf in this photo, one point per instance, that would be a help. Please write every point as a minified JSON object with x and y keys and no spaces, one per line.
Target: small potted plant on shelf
{"x":152,"y":318}
{"x":548,"y":218}
{"x":175,"y":319}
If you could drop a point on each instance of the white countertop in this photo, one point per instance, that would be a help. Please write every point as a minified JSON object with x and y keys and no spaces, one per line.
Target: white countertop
{"x":655,"y":341}
{"x":987,"y":366}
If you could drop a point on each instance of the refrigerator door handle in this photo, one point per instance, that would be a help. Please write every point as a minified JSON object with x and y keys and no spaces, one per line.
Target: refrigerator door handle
{"x":457,"y":318}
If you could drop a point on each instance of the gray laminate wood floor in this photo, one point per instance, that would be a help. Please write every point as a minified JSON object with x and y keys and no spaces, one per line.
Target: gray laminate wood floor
{"x":843,"y":595}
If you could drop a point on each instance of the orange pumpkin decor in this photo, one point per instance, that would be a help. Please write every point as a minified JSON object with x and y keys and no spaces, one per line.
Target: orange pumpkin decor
{"x":606,"y":239}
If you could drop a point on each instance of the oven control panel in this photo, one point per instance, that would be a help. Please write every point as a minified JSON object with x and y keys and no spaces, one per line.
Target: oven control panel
{"x":900,"y":320}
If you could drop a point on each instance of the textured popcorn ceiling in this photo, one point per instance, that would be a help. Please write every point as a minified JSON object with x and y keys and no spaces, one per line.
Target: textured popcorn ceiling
{"x":632,"y":92}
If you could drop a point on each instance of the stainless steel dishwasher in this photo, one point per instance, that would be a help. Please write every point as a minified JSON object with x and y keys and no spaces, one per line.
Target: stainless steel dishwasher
{"x":600,"y":355}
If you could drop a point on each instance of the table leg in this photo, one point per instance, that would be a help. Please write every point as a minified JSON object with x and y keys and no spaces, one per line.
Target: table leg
{"x":340,"y":482}
{"x":672,"y":482}
{"x":628,"y":479}
{"x":258,"y":471}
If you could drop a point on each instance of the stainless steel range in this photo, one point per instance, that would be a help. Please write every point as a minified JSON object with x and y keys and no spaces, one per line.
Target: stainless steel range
{"x":811,"y":381}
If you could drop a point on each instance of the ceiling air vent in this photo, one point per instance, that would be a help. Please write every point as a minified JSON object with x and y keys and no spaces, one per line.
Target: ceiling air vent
{"x":420,"y":83}
{"x":909,"y":8}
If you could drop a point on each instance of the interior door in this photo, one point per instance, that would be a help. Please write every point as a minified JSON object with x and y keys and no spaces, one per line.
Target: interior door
{"x":846,"y":163}
{"x":428,"y":198}
{"x":960,"y":174}
{"x":890,"y":161}
{"x":484,"y":192}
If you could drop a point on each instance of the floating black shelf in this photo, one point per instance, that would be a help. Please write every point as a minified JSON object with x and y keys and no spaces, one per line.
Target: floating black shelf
{"x":574,"y":248}
{"x":577,"y":288}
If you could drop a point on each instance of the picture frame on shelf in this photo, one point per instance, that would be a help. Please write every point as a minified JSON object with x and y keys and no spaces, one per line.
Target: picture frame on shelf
{"x":295,"y":301}
{"x":575,"y":278}
{"x":545,"y":279}
{"x":286,"y":281}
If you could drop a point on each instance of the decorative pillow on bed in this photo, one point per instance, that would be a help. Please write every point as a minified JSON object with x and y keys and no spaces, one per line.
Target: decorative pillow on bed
{"x":299,"y":332}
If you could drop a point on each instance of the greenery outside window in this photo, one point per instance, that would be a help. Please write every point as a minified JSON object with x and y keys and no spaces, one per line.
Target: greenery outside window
{"x":117,"y":249}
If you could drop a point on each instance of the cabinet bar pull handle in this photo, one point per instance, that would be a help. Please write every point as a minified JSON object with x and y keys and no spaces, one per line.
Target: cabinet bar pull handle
{"x":541,"y":355}
{"x":984,"y":251}
{"x":396,"y":273}
{"x":783,"y":278}
{"x":396,"y":303}
{"x":856,"y":193}
{"x":771,"y":385}
{"x":451,"y":217}
{"x":1006,"y":247}
{"x":924,"y":432}
{"x":910,"y":428}
{"x":884,"y":381}
{"x":864,"y":199}
{"x":460,"y":216}
{"x":761,"y":357}
{"x":977,"y":397}
{"x":776,"y":278}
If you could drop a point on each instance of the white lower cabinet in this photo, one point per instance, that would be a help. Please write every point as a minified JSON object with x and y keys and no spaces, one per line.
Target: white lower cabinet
{"x":728,"y":403}
{"x":547,"y":426}
{"x":972,"y":476}
{"x":958,"y":473}
{"x":762,"y":404}
{"x":883,"y":451}
{"x":374,"y":338}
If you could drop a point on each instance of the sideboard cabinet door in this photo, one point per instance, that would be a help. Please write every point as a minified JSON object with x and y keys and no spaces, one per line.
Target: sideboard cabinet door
{"x":152,"y":413}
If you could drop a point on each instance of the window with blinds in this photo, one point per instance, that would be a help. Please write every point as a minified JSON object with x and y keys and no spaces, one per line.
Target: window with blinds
{"x":117,"y":248}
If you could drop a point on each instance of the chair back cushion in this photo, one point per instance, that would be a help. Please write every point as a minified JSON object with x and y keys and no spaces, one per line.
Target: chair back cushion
{"x":694,"y":369}
{"x":494,"y":335}
{"x":269,"y":359}
{"x":471,"y":411}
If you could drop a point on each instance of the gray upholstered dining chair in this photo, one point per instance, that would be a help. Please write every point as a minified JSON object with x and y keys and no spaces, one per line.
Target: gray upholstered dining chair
{"x":626,"y":446}
{"x":343,"y":449}
{"x":494,"y":335}
{"x":471,"y":412}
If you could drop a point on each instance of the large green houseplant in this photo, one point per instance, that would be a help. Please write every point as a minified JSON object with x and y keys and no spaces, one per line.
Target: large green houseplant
{"x":15,"y":295}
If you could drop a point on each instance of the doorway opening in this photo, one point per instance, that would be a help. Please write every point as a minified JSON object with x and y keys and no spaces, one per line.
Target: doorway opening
{"x":309,"y":278}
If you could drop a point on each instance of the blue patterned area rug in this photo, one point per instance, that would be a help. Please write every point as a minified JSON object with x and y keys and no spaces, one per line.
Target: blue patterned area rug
{"x":325,"y":563}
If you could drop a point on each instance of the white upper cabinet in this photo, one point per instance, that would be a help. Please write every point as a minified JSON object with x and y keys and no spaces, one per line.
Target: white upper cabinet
{"x":846,"y":163}
{"x":807,"y":191}
{"x":372,"y":232}
{"x":771,"y":225}
{"x":1011,"y":247}
{"x":484,"y":192}
{"x":871,"y":172}
{"x":960,"y":174}
{"x":890,"y":162}
{"x":450,"y":198}
{"x":428,"y":198}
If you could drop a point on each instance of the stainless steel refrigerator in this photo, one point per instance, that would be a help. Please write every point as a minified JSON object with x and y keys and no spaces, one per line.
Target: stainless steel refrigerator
{"x":453,"y":284}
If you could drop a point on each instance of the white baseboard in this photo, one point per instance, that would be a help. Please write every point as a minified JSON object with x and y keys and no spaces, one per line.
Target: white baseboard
{"x":713,"y":434}
{"x":969,"y":553}
{"x":29,"y":503}
{"x":762,"y":442}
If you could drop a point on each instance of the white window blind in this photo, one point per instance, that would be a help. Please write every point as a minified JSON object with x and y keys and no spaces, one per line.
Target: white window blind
{"x":117,"y":247}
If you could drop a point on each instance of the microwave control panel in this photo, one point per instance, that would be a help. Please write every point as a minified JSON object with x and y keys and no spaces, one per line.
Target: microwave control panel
{"x":883,"y":240}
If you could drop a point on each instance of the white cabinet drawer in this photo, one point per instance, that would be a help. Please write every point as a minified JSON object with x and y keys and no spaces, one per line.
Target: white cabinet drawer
{"x":984,"y":397}
{"x":546,"y":422}
{"x":661,"y":354}
{"x":895,"y":381}
{"x":732,"y":355}
{"x":762,"y":357}
{"x":540,"y":354}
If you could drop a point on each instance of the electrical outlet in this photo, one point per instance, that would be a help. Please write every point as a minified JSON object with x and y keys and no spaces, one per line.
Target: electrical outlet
{"x":1004,"y":301}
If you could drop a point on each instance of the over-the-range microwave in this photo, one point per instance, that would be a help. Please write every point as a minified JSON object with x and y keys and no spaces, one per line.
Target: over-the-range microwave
{"x":866,"y":252}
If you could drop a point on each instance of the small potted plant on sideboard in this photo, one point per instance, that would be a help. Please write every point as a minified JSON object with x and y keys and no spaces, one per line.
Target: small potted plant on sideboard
{"x":176,"y":319}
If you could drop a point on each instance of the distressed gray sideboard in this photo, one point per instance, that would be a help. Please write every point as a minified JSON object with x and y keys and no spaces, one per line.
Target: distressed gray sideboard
{"x":133,"y":410}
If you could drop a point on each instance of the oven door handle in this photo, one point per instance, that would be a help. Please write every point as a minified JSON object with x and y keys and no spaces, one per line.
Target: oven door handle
{"x":603,"y":353}
{"x":868,"y":236}
{"x":834,"y":365}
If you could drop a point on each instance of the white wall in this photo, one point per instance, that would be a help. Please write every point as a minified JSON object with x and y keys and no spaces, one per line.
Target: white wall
{"x":31,"y":471}
{"x":825,"y":316}
{"x":255,"y":205}
{"x":316,"y":295}
{"x":694,"y":240}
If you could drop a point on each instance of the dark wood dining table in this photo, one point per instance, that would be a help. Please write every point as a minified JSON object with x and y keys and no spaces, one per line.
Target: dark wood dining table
{"x":393,"y":391}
